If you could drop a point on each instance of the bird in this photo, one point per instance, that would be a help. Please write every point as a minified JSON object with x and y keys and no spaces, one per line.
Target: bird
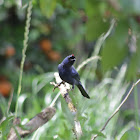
{"x":68,"y":74}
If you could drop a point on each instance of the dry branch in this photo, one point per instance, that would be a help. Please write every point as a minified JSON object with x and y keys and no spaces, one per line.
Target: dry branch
{"x":64,"y":89}
{"x":36,"y":122}
{"x":117,"y":110}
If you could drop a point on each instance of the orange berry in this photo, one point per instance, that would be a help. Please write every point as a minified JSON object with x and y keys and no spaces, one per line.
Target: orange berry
{"x":45,"y":45}
{"x":10,"y":51}
{"x":53,"y":55}
{"x":5,"y":88}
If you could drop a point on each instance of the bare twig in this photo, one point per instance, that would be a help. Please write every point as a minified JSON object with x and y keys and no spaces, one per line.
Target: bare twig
{"x":36,"y":122}
{"x":64,"y":88}
{"x":117,"y":110}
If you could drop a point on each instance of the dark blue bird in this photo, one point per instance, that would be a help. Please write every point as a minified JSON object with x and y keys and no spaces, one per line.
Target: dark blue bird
{"x":68,"y":74}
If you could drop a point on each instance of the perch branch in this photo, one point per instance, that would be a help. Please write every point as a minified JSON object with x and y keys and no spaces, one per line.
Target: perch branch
{"x":117,"y":110}
{"x":36,"y":122}
{"x":64,"y":88}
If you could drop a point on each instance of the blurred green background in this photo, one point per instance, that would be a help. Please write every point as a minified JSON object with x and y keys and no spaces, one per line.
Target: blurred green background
{"x":59,"y":28}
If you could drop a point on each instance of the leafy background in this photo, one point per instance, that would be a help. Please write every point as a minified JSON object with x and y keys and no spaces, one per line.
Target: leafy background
{"x":59,"y":28}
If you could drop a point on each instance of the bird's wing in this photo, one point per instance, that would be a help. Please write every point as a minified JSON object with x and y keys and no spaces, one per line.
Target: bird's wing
{"x":75,"y":74}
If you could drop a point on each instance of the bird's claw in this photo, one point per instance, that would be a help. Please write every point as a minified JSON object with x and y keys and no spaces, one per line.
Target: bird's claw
{"x":55,"y":88}
{"x":57,"y":85}
{"x":72,"y":87}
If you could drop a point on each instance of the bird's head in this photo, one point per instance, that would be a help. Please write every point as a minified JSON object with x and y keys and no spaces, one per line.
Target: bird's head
{"x":69,"y":60}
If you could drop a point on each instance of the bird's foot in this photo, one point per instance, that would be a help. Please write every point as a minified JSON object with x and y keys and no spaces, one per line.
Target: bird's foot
{"x":57,"y":85}
{"x":72,"y":87}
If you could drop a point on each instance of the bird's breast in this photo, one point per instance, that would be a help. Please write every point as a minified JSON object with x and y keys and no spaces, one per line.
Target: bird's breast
{"x":65,"y":74}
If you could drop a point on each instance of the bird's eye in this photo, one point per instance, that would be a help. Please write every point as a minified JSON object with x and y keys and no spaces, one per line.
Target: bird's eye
{"x":72,"y":57}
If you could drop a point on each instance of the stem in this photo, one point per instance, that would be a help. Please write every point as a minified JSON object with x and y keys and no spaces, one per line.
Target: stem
{"x":117,"y":110}
{"x":136,"y":108}
{"x":26,"y":37}
{"x":54,"y":100}
{"x":87,"y":61}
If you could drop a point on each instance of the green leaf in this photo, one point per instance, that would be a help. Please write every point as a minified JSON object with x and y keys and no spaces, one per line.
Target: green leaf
{"x":5,"y":127}
{"x":47,"y":7}
{"x":134,"y":63}
{"x":125,"y":136}
{"x":95,"y":8}
{"x":129,"y":135}
{"x":5,"y":122}
{"x":21,"y":101}
{"x":96,"y":25}
{"x":115,"y":49}
{"x":22,"y":3}
{"x":19,"y":3}
{"x":98,"y":133}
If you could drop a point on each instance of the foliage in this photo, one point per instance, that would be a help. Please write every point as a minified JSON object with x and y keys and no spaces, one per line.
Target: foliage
{"x":119,"y":42}
{"x":5,"y":127}
{"x":59,"y":28}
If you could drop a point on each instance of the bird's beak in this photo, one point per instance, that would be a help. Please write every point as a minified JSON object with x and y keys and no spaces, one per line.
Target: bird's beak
{"x":74,"y":59}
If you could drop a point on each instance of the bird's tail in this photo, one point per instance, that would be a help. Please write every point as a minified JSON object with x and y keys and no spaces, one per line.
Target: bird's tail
{"x":84,"y":93}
